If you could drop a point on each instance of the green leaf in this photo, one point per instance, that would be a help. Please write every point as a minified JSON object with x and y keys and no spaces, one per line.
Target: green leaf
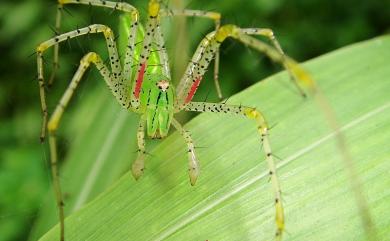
{"x":233,"y":199}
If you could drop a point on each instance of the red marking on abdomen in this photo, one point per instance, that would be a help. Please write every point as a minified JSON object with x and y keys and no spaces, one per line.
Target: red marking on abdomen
{"x":193,"y":89}
{"x":140,"y":79}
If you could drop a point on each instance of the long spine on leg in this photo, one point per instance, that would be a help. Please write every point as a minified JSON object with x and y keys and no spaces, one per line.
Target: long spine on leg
{"x":262,"y":128}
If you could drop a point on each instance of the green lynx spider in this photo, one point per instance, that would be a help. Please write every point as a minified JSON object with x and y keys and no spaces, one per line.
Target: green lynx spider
{"x":148,"y":91}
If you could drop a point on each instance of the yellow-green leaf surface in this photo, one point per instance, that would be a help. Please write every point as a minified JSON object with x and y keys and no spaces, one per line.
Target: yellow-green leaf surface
{"x":232,"y":199}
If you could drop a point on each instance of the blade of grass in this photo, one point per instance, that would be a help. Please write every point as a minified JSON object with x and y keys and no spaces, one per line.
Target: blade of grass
{"x":233,"y":198}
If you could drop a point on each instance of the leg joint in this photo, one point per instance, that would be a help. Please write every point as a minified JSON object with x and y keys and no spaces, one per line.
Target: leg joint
{"x":225,"y":31}
{"x":90,"y":57}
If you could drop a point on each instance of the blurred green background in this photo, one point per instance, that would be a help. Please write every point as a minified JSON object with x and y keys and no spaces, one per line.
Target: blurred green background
{"x":305,"y":29}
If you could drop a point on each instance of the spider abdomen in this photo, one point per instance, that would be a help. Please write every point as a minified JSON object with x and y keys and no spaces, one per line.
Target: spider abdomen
{"x":157,"y":104}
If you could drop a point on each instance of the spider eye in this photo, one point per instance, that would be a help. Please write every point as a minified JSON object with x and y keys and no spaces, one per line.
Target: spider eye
{"x":163,"y":85}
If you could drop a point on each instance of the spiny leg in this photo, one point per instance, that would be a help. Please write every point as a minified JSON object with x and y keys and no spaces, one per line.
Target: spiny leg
{"x":130,"y":51}
{"x":202,"y":14}
{"x":139,"y":165}
{"x":191,"y":80}
{"x":192,"y":13}
{"x":193,"y":163}
{"x":210,"y":45}
{"x":55,"y":121}
{"x":262,"y":127}
{"x":271,"y":36}
{"x":162,"y":52}
{"x":56,"y":47}
{"x":121,"y":6}
{"x":305,"y":81}
{"x":301,"y":77}
{"x":113,"y":80}
{"x":195,"y":71}
{"x":151,"y":26}
{"x":153,"y":32}
{"x":119,"y":89}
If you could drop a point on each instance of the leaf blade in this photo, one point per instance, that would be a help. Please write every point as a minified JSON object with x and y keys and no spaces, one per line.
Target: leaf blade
{"x":233,"y":200}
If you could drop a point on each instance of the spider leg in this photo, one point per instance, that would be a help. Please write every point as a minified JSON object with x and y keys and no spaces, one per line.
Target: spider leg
{"x":114,"y":80}
{"x":118,"y":86}
{"x":216,"y":17}
{"x":196,"y":69}
{"x":150,"y":30}
{"x":271,"y":36}
{"x":56,"y":47}
{"x":210,"y":45}
{"x":262,"y":128}
{"x":193,"y":163}
{"x":200,"y":61}
{"x":139,"y":165}
{"x":121,"y":6}
{"x":162,"y":52}
{"x":305,"y":81}
{"x":55,"y":119}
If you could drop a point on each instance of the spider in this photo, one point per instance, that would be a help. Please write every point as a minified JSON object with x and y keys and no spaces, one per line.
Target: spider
{"x":142,"y":84}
